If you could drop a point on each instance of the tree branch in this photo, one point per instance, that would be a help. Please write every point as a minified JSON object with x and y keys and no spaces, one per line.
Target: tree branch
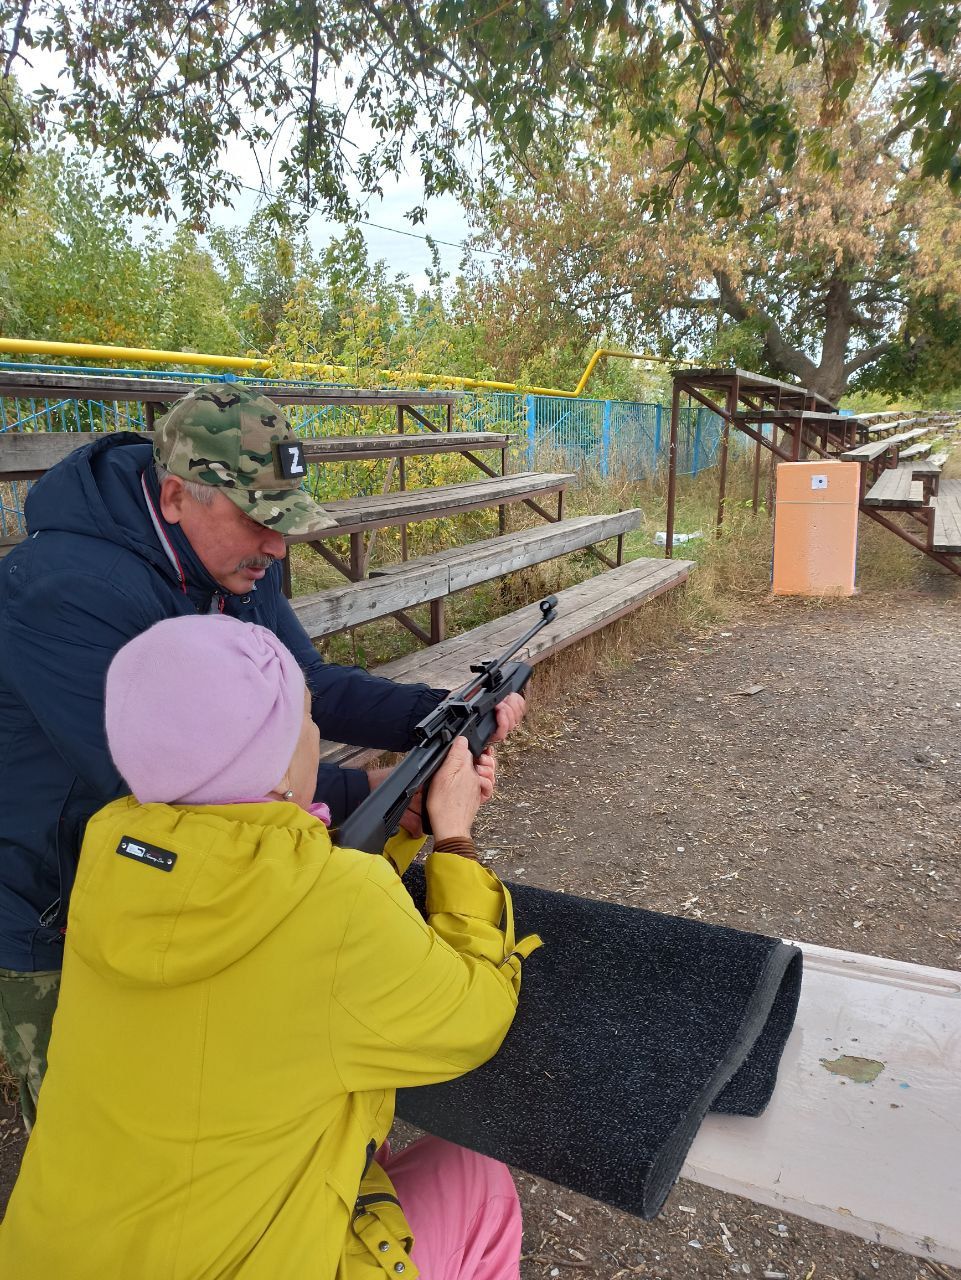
{"x":868,"y":356}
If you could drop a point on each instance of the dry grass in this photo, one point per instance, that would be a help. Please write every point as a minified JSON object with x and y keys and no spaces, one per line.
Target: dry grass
{"x":730,"y":570}
{"x":732,"y":574}
{"x":8,"y":1084}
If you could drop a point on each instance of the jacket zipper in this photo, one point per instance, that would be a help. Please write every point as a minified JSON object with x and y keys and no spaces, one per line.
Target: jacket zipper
{"x":372,"y":1197}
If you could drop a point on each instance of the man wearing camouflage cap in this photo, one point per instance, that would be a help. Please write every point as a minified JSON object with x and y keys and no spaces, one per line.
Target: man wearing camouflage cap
{"x":122,"y":535}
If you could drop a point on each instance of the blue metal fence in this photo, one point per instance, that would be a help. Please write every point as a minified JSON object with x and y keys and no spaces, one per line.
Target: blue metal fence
{"x":593,"y":437}
{"x":620,"y":437}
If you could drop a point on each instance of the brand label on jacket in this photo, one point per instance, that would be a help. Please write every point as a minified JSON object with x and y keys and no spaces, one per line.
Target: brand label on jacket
{"x":150,"y":855}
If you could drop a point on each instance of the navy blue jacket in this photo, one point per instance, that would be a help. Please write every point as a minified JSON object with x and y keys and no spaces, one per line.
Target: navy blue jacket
{"x":92,"y":575}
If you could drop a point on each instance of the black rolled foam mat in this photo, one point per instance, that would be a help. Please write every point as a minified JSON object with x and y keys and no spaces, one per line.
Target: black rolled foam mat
{"x":631,"y":1027}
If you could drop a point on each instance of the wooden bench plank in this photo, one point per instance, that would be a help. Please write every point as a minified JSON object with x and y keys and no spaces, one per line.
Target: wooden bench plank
{"x":878,"y":1158}
{"x":874,"y":449}
{"x":359,"y":515}
{"x":119,"y":389}
{"x":584,"y":608}
{"x":895,"y":487}
{"x":900,"y":422}
{"x":927,"y":466}
{"x":414,"y":582}
{"x":947,"y":517}
{"x":346,"y":448}
{"x":514,"y":551}
{"x":24,"y":455}
{"x":27,"y":454}
{"x":355,"y":603}
{"x":916,"y":450}
{"x":867,"y":452}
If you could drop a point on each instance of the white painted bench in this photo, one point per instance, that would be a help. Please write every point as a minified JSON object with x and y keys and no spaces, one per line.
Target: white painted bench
{"x":882,"y":1158}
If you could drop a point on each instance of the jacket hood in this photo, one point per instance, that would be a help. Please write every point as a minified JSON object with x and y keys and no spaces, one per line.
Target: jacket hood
{"x":237,"y":871}
{"x":99,"y":490}
{"x":87,"y":494}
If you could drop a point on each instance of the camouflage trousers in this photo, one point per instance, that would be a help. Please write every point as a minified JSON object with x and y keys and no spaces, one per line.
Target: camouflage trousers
{"x":27,"y":1005}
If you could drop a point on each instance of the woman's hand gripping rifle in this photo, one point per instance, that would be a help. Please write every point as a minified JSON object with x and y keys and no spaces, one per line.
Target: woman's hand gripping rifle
{"x":468,"y":712}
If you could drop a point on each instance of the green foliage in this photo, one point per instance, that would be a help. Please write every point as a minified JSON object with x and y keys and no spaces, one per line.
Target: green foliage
{"x":15,"y":134}
{"x":161,"y":89}
{"x":925,"y":358}
{"x":71,"y":269}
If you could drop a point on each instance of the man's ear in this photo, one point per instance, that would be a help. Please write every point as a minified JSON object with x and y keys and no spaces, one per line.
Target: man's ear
{"x":172,"y":495}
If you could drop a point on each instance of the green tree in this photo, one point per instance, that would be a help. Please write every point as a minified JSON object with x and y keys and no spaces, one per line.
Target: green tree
{"x":197,"y":302}
{"x":263,"y":264}
{"x":161,"y":89}
{"x":71,"y":269}
{"x":817,"y":276}
{"x":70,"y":264}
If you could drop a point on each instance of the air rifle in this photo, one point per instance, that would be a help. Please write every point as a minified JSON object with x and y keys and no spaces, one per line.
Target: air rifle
{"x":468,"y":712}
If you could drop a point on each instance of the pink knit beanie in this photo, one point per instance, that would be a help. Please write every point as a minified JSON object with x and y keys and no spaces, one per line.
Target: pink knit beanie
{"x":203,"y":710}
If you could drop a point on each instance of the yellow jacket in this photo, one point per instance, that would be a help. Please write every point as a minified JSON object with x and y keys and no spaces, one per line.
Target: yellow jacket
{"x":231,"y":1029}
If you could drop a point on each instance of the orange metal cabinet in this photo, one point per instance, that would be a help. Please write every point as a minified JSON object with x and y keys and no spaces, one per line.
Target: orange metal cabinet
{"x":816,"y":528}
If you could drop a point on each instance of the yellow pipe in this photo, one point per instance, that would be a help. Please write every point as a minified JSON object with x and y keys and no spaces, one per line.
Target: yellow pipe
{"x":620,"y":355}
{"x":145,"y":355}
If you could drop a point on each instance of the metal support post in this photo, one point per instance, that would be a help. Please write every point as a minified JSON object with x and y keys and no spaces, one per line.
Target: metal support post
{"x":672,"y":468}
{"x":730,"y":410}
{"x":502,"y":509}
{"x":402,"y":480}
{"x":606,"y":440}
{"x":438,"y":625}
{"x":531,"y":428}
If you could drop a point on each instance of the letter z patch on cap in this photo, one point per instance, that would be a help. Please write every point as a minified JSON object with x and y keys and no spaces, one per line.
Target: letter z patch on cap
{"x":289,"y":461}
{"x":149,"y":854}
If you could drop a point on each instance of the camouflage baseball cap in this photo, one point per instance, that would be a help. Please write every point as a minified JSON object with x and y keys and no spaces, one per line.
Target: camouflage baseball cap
{"x":225,"y":435}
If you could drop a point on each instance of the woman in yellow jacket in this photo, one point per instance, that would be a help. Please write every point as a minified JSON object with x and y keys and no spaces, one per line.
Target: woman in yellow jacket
{"x":241,"y":998}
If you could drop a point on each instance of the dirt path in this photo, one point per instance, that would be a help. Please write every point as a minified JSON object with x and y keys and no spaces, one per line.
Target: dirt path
{"x":824,"y":806}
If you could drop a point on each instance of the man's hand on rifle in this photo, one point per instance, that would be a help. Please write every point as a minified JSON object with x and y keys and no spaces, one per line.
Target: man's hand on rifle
{"x":509,"y":714}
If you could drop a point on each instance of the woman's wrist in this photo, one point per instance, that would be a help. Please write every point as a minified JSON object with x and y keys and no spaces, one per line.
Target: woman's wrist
{"x":455,"y":831}
{"x":462,"y":846}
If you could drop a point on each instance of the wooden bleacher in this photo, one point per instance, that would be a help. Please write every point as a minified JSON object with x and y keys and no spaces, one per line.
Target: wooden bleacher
{"x":356,"y":516}
{"x":583,"y":609}
{"x":434,"y":577}
{"x":427,"y":580}
{"x":916,"y":450}
{"x":946,"y":534}
{"x":28,"y":454}
{"x":896,"y":487}
{"x":877,"y":448}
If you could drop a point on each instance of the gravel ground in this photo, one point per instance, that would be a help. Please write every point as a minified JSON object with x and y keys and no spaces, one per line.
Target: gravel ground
{"x":795,"y":773}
